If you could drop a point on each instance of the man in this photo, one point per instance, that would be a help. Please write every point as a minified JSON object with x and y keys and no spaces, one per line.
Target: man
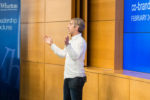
{"x":74,"y":51}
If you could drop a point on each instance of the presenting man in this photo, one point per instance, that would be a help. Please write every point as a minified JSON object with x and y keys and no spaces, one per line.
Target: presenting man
{"x":74,"y":51}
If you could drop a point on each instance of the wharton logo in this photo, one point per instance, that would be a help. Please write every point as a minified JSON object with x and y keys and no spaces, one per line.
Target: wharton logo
{"x":5,"y":6}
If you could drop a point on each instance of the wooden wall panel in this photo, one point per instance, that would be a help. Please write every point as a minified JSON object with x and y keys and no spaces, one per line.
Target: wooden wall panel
{"x":32,"y":81}
{"x":84,"y":34}
{"x":84,"y":10}
{"x":32,"y":11}
{"x":57,"y":31}
{"x":119,"y":34}
{"x":90,"y":89}
{"x":118,"y":45}
{"x":101,"y":44}
{"x":54,"y":82}
{"x":84,"y":16}
{"x":119,"y":13}
{"x":113,"y":88}
{"x":139,"y":90}
{"x":58,"y":10}
{"x":101,"y":10}
{"x":32,"y":42}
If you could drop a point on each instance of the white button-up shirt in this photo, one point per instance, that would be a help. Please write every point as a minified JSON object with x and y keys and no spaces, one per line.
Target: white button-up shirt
{"x":75,"y":55}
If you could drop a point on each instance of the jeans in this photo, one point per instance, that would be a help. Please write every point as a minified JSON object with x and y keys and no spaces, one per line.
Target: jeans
{"x":73,"y":88}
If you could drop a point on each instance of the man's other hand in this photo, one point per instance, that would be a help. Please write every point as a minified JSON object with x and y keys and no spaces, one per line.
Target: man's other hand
{"x":67,"y":40}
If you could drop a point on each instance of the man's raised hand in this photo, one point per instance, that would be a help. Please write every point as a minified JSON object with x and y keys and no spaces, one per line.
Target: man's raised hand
{"x":48,"y":40}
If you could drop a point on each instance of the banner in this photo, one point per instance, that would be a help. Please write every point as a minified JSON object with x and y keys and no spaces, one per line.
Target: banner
{"x":9,"y":49}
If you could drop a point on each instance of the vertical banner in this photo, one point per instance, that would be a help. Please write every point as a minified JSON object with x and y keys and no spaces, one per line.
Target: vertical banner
{"x":9,"y":49}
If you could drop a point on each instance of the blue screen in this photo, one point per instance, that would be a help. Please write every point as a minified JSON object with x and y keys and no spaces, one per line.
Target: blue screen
{"x":136,"y":55}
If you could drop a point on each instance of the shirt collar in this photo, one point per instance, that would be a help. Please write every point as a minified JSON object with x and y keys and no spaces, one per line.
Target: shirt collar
{"x":76,"y":36}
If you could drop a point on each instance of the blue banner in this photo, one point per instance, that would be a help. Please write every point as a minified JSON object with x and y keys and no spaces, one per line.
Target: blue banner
{"x":9,"y":49}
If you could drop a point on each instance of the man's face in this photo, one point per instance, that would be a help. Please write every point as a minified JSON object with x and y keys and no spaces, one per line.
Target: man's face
{"x":71,"y":27}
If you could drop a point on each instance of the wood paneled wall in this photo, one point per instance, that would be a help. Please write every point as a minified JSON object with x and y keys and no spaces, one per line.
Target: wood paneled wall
{"x":119,"y":21}
{"x":58,"y":31}
{"x":105,"y":84}
{"x":105,"y":35}
{"x":53,"y":82}
{"x":32,"y":81}
{"x":42,"y":71}
{"x":101,"y":36}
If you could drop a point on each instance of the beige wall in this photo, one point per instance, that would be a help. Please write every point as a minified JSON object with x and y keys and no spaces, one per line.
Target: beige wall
{"x":42,"y":70}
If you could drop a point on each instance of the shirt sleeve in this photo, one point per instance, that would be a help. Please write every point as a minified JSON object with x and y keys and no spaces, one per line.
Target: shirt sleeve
{"x":58,"y":51}
{"x":76,"y":52}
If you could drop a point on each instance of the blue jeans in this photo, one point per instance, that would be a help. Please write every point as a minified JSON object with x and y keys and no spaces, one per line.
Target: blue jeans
{"x":73,"y":88}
